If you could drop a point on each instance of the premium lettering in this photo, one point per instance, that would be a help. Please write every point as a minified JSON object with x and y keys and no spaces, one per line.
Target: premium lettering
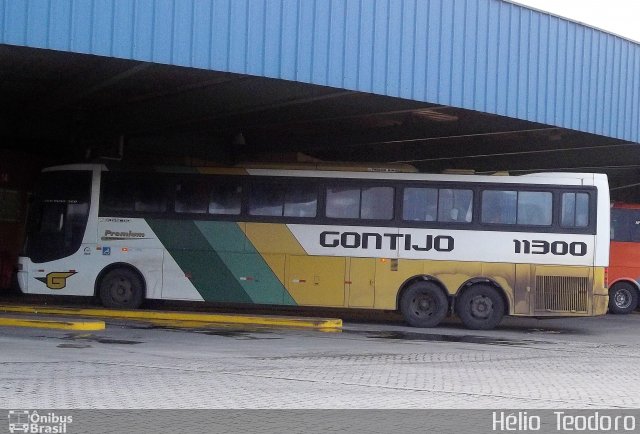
{"x":129,"y":234}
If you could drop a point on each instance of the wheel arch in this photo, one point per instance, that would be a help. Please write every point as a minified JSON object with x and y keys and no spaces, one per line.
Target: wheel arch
{"x":114,"y":266}
{"x":420,"y":278}
{"x":629,"y":280}
{"x":487,"y":281}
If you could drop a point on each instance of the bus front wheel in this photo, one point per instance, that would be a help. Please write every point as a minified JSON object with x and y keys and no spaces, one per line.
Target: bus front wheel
{"x":424,"y":304}
{"x":623,"y":298}
{"x":480,"y":307}
{"x":121,"y":288}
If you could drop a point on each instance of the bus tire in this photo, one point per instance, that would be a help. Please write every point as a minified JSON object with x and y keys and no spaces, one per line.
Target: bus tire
{"x":424,"y":304}
{"x":623,"y":298}
{"x":480,"y":307}
{"x":121,"y":288}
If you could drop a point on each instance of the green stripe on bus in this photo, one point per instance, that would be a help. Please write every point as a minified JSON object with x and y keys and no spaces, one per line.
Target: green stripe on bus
{"x":195,"y":256}
{"x":244,"y":261}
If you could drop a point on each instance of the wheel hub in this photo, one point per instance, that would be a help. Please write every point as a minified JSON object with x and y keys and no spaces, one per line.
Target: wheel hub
{"x":424,"y":305}
{"x":622,"y":298}
{"x":481,"y":307}
{"x":121,"y":291}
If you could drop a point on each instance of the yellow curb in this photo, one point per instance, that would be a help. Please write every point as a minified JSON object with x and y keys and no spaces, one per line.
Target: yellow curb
{"x":50,"y":324}
{"x":180,"y":324}
{"x":274,"y":321}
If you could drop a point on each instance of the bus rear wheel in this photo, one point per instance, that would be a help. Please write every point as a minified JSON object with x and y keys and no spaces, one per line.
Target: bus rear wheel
{"x":424,"y":304}
{"x":480,"y":307}
{"x":623,"y":298}
{"x":121,"y":288}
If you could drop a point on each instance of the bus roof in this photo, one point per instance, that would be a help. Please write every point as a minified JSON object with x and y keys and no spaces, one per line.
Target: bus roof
{"x":335,"y":166}
{"x":358,"y":171}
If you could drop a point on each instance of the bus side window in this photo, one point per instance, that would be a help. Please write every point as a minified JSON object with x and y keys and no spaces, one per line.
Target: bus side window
{"x":575,"y":210}
{"x":266,"y":199}
{"x":621,"y":225}
{"x":420,"y":204}
{"x":372,"y":203}
{"x":499,"y":207}
{"x":377,"y":203}
{"x":535,"y":208}
{"x":634,"y":226}
{"x":582,"y":210}
{"x":225,"y":199}
{"x":343,"y":202}
{"x":117,"y":195}
{"x":150,"y":196}
{"x":191,"y":197}
{"x":455,"y":205}
{"x":300,"y":200}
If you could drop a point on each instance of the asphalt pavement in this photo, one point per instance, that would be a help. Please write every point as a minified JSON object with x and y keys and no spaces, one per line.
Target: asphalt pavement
{"x":370,"y":364}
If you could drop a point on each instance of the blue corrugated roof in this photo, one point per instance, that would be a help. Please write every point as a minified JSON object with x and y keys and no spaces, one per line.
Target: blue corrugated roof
{"x":485,"y":55}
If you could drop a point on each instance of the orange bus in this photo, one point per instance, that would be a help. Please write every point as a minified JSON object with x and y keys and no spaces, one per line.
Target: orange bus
{"x":624,"y":260}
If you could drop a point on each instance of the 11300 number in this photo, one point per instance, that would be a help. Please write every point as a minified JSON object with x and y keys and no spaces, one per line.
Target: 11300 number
{"x":541,"y":247}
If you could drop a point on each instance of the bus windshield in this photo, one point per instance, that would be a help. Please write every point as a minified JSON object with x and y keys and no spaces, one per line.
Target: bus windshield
{"x":58,"y":215}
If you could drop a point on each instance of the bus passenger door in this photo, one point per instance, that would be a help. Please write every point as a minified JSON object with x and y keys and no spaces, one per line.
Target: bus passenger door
{"x":316,"y":280}
{"x":361,"y":282}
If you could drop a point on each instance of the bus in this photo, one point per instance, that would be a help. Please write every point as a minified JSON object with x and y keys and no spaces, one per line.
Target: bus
{"x":426,"y":245}
{"x":624,"y":264}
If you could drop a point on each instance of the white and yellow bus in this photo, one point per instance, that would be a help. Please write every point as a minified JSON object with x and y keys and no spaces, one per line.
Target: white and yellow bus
{"x":426,"y":245}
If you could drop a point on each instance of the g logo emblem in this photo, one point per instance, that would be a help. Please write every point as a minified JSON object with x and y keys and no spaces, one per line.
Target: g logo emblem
{"x":56,"y":279}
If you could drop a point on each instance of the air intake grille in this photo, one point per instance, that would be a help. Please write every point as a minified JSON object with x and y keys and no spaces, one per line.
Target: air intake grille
{"x":562,"y":294}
